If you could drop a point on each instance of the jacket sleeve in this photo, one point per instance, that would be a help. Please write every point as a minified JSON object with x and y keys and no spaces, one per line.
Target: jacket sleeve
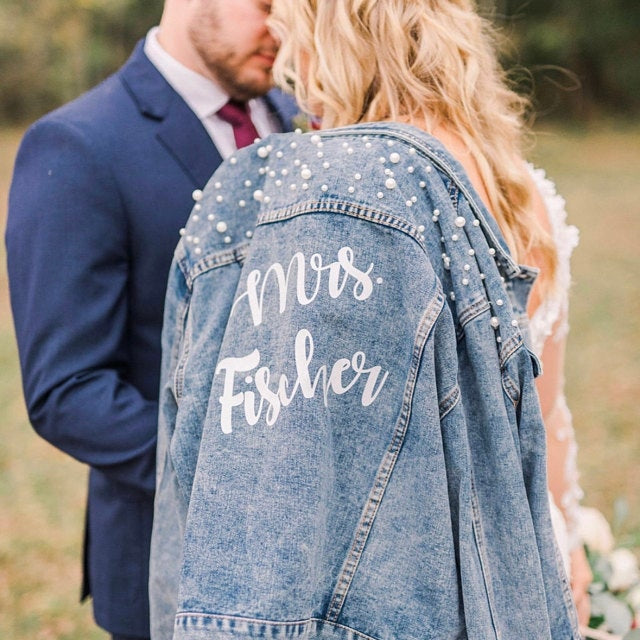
{"x":68,"y":264}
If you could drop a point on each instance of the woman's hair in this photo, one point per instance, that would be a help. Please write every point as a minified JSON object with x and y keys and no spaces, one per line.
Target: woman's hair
{"x":433,"y":60}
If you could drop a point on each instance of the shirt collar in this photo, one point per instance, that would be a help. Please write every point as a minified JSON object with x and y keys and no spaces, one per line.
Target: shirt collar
{"x":203,"y":95}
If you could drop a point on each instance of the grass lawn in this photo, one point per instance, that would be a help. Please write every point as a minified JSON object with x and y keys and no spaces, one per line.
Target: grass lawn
{"x":42,"y":491}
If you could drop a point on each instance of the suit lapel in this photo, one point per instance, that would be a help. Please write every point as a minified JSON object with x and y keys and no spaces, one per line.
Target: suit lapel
{"x":179,"y":129}
{"x":183,"y":135}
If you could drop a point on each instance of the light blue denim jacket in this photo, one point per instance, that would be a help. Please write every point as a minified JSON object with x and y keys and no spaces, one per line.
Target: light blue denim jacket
{"x":350,"y":442}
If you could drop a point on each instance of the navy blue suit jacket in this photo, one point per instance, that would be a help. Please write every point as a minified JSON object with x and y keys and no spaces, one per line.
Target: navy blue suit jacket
{"x":101,"y":187}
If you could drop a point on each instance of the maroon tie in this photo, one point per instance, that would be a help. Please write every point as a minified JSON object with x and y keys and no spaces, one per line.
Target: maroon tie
{"x":237,"y":115}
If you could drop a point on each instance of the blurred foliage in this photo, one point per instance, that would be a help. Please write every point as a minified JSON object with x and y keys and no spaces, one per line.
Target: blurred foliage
{"x":52,"y":50}
{"x":580,"y":59}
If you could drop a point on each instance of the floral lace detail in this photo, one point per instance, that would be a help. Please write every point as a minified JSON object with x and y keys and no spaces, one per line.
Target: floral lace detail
{"x":566,"y":239}
{"x":542,"y":323}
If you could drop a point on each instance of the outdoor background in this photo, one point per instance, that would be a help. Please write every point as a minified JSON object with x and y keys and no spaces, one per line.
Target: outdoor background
{"x":580,"y":61}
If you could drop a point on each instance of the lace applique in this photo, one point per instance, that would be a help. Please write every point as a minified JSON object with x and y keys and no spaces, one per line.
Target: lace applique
{"x":551,"y":309}
{"x":566,"y":239}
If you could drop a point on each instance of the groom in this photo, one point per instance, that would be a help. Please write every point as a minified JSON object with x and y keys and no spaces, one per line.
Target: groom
{"x":100,"y":190}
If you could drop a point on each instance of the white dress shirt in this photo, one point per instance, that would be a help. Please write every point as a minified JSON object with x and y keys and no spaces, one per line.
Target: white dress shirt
{"x":205,"y":97}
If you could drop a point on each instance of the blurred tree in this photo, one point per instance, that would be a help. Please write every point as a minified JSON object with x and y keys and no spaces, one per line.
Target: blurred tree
{"x":52,"y":50}
{"x":583,"y":57}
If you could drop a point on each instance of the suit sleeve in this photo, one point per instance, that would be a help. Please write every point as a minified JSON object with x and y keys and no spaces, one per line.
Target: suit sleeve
{"x":68,"y":264}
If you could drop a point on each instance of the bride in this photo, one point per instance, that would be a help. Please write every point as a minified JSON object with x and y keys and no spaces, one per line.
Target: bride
{"x":261,"y":516}
{"x":351,"y":61}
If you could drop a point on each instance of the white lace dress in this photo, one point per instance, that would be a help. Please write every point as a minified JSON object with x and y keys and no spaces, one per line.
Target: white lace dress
{"x":549,"y":322}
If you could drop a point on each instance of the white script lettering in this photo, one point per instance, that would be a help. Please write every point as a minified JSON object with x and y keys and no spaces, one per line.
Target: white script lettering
{"x":339,"y":272}
{"x":335,"y":380}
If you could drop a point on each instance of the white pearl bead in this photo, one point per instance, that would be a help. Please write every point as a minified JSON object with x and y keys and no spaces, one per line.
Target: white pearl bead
{"x":465,"y":281}
{"x":217,"y":185}
{"x":247,"y":183}
{"x":197,"y":194}
{"x":499,"y":302}
{"x":460,"y":222}
{"x":233,"y":160}
{"x":476,"y":223}
{"x":324,"y":187}
{"x":380,"y":194}
{"x":211,"y":217}
{"x":198,"y":250}
{"x":219,"y":198}
{"x":227,"y":239}
{"x":248,"y":233}
{"x":471,"y":252}
{"x":279,"y":154}
{"x":357,"y":176}
{"x":350,"y":189}
{"x":326,"y":165}
{"x":242,"y":203}
{"x":421,"y":228}
{"x":221,"y":227}
{"x":305,"y":186}
{"x":306,"y":174}
{"x":436,"y":212}
{"x":263,"y":152}
{"x":182,"y":231}
{"x":258,"y":195}
{"x":494,"y":322}
{"x":394,"y":157}
{"x":492,"y":251}
{"x":315,"y":138}
{"x":390,"y":183}
{"x":455,"y":237}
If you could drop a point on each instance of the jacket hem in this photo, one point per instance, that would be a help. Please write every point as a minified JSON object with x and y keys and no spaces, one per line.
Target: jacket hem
{"x":198,"y":626}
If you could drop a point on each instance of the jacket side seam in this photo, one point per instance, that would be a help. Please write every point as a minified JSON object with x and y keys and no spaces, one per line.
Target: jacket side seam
{"x":387,"y":465}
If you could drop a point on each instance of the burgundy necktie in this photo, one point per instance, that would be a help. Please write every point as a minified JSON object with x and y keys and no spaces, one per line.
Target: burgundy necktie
{"x":237,"y":115}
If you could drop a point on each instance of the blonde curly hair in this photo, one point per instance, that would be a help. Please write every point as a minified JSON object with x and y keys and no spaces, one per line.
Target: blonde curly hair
{"x":430,"y":61}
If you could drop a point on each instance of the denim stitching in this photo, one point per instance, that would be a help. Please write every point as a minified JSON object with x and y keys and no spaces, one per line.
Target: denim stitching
{"x":385,"y":470}
{"x":183,"y":619}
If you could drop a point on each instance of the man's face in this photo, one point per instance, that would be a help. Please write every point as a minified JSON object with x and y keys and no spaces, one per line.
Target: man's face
{"x":234,"y":44}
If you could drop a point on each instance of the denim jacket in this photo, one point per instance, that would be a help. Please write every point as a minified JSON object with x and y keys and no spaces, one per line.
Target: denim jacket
{"x":350,"y":442}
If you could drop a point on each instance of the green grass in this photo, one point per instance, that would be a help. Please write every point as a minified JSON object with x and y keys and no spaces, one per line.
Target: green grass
{"x":42,"y":492}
